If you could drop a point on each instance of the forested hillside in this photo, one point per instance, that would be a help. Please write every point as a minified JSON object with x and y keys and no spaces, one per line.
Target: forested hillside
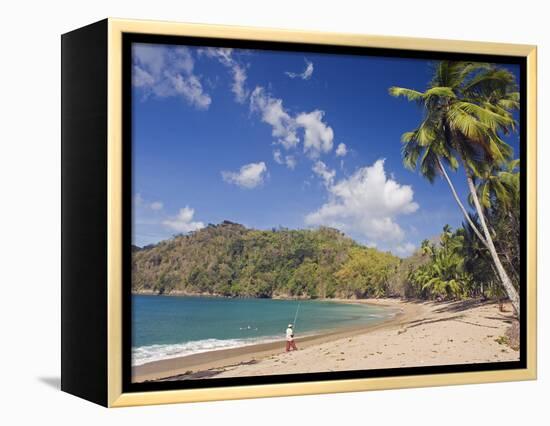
{"x":231,"y":260}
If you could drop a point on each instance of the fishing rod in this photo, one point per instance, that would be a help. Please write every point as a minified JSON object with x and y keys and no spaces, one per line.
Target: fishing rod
{"x":296,"y":316}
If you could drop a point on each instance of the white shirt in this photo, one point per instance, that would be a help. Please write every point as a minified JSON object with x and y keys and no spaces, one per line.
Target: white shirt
{"x":289,"y":333}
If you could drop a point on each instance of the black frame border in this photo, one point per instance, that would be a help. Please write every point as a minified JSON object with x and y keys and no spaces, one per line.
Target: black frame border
{"x":127,"y":219}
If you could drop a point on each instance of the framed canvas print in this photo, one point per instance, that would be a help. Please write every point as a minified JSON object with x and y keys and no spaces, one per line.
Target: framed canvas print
{"x":250,"y":212}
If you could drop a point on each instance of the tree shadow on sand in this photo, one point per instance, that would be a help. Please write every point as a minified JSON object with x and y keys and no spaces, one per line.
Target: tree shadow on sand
{"x":463,"y":305}
{"x":425,"y":321}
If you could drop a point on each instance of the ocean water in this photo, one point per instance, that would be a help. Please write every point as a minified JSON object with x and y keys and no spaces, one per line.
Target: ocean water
{"x":172,"y":326}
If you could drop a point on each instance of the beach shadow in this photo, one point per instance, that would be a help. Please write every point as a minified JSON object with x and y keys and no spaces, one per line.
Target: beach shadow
{"x":503,"y":319}
{"x":458,"y":318}
{"x":476,"y":324}
{"x":204,"y":374}
{"x":189,"y":376}
{"x":53,"y":382}
{"x":425,"y":321}
{"x":463,"y":305}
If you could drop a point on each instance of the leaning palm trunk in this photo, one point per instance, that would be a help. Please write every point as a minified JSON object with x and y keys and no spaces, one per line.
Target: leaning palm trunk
{"x":506,"y":255}
{"x":511,"y":267}
{"x":459,"y":202}
{"x":504,"y":278}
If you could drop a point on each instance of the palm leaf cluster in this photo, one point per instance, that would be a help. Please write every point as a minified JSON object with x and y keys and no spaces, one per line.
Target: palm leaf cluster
{"x":445,"y":275}
{"x":467,"y":106}
{"x":498,"y":185}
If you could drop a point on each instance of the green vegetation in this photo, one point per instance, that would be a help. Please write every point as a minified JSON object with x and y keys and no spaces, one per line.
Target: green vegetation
{"x":467,"y":107}
{"x":231,"y":260}
{"x":444,"y":276}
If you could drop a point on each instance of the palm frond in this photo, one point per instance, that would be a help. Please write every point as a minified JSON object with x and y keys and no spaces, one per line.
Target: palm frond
{"x":489,"y":118}
{"x":512,"y":165}
{"x":462,"y":120}
{"x":471,"y":68}
{"x":410,"y":152}
{"x":487,"y":82}
{"x":409,"y":94}
{"x":485,"y":195}
{"x":500,"y":150}
{"x":509,"y":104}
{"x":440,"y":92}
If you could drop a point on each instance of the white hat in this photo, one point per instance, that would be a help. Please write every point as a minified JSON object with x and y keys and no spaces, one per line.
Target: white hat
{"x":290,"y":325}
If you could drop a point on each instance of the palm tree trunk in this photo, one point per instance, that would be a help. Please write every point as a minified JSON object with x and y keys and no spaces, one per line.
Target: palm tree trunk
{"x":511,"y":266}
{"x":505,"y":279}
{"x":506,"y":255}
{"x":460,"y":205}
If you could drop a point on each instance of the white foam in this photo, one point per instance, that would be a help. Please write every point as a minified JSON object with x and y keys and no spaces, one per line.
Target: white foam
{"x":144,"y":354}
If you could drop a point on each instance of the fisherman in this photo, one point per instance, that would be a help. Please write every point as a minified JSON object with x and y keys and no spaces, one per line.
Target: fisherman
{"x":290,"y":339}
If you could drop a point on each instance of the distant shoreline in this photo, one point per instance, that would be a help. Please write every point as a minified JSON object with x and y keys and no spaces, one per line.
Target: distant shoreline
{"x":179,"y":293}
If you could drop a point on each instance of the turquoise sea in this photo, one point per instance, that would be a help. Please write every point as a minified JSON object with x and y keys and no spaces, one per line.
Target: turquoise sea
{"x":172,"y":326}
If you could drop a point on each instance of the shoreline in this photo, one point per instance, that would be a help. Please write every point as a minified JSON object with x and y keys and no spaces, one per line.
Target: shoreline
{"x":180,"y":293}
{"x":199,"y":365}
{"x":423,"y":333}
{"x":441,"y":333}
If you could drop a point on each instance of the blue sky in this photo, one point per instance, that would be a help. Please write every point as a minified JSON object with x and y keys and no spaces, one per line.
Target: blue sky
{"x":288,"y":139}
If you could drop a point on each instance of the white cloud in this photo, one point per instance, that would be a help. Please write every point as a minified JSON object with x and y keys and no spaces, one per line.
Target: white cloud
{"x":321,"y":169}
{"x":318,"y":136}
{"x":156,"y":205}
{"x":168,"y":72}
{"x":366,"y":205}
{"x":291,"y":162}
{"x":272,"y":112}
{"x":238,"y":87}
{"x":183,"y":222}
{"x":249,"y":176}
{"x":306,"y":75}
{"x":288,"y":160}
{"x":278,"y":157}
{"x":341,"y":150}
{"x":225,"y":56}
{"x":139,"y":201}
{"x":142,"y":78}
{"x":190,"y":87}
{"x":405,"y":249}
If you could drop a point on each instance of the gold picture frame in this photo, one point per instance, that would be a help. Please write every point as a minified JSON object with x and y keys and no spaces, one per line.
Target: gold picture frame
{"x":115,"y":396}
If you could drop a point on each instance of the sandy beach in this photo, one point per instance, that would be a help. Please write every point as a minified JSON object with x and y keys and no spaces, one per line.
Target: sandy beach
{"x":421,"y":334}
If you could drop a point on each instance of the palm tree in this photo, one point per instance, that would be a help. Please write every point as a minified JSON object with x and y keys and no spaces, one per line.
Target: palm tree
{"x":498,"y":182}
{"x":498,"y":193}
{"x":477,"y":262}
{"x":444,"y":276}
{"x":466,"y":108}
{"x":426,"y":248}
